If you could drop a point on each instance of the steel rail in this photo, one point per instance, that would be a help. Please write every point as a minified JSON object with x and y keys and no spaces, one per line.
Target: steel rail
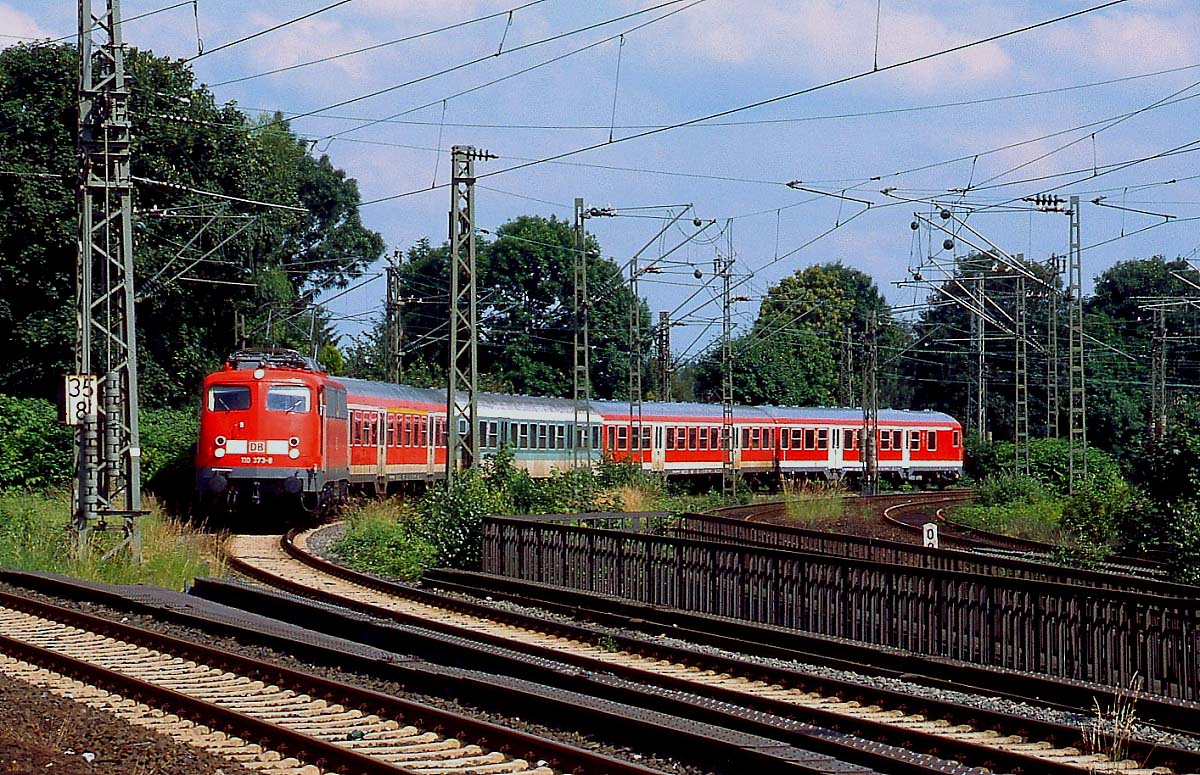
{"x":957,"y":713}
{"x":560,"y":755}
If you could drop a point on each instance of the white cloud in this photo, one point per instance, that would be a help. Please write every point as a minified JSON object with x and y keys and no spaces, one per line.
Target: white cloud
{"x":19,"y":25}
{"x":827,"y":38}
{"x":1122,"y":43}
{"x":312,"y":39}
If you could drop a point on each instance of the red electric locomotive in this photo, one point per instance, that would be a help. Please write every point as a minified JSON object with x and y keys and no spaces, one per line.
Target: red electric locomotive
{"x":272,"y":423}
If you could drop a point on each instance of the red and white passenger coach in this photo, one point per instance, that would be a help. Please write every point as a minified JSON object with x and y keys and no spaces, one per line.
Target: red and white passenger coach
{"x":274,"y":423}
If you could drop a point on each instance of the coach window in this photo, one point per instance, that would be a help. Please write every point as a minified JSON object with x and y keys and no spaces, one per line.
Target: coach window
{"x":355,"y":429}
{"x":957,"y":438}
{"x":391,"y":430}
{"x":543,"y":436}
{"x":897,"y":439}
{"x":823,"y":438}
{"x":671,"y":437}
{"x":422,"y":427}
{"x":914,"y":440}
{"x":797,"y":435}
{"x":703,"y":437}
{"x":228,"y":398}
{"x":755,"y":438}
{"x":288,"y":398}
{"x":714,"y":437}
{"x":836,"y":438}
{"x":885,"y":440}
{"x":810,"y":438}
{"x":931,"y":444}
{"x":622,"y":437}
{"x":784,"y":438}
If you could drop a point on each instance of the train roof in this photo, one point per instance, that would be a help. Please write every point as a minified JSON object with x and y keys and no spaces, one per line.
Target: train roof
{"x":560,"y":409}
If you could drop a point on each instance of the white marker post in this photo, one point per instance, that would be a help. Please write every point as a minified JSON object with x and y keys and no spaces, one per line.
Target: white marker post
{"x":929,"y":533}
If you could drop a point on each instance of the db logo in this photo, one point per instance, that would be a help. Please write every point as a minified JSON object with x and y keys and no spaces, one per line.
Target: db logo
{"x":258,"y":446}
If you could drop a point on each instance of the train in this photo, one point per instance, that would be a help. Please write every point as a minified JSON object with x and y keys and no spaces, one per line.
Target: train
{"x":274,"y":423}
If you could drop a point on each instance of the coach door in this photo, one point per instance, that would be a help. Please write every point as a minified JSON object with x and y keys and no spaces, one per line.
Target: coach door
{"x":380,"y":420}
{"x":658,"y":449}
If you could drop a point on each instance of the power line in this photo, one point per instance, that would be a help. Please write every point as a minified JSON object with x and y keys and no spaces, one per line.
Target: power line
{"x":271,"y":29}
{"x":782,"y":97}
{"x":376,"y":46}
{"x":485,"y":58}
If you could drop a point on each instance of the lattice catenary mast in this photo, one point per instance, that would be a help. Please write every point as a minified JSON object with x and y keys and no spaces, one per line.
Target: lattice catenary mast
{"x":102,"y":395}
{"x":462,"y":424}
{"x":1075,"y":368}
{"x":581,"y":372}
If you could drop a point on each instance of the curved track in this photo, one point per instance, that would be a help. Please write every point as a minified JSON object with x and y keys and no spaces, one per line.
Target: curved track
{"x":994,"y":740}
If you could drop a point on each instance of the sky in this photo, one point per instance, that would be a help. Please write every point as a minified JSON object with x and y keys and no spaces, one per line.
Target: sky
{"x":1099,"y":105}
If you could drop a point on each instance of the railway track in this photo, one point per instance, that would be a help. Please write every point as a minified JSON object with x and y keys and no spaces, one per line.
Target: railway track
{"x":265,"y":717}
{"x":969,"y":735}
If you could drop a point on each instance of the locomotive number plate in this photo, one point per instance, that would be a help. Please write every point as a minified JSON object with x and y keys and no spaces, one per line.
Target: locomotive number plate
{"x":257,"y":460}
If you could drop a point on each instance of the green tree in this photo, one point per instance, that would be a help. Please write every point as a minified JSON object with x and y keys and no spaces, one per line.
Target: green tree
{"x":526,"y":318}
{"x":258,"y":262}
{"x":792,"y":354}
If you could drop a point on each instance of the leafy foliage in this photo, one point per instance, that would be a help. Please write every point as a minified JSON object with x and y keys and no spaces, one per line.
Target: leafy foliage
{"x":791,"y":356}
{"x":183,"y":138}
{"x":35,"y":448}
{"x":385,"y":538}
{"x":526,"y":316}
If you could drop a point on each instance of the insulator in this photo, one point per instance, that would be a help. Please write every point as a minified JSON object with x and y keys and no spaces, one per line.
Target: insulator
{"x":948,"y":244}
{"x":697,"y":222}
{"x":945,"y":214}
{"x":698,"y":274}
{"x":914,"y":225}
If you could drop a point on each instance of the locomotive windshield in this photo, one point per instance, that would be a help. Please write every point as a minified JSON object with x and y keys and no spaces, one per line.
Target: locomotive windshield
{"x":288,"y":398}
{"x":228,"y":398}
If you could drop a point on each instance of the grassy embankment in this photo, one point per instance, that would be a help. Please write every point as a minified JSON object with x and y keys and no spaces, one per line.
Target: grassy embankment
{"x":35,"y":535}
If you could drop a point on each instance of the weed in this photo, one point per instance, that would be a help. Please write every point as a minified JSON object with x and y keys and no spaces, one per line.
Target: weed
{"x":383,"y":536}
{"x":609,"y":644}
{"x":1108,"y":733}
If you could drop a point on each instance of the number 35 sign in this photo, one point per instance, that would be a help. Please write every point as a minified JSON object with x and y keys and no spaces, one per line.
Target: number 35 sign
{"x":80,"y":394}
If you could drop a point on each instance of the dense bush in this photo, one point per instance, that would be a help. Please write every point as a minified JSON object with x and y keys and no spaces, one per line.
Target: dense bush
{"x":385,"y":538}
{"x":35,"y":447}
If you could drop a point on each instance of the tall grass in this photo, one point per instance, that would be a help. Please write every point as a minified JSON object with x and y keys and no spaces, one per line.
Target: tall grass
{"x":35,"y":535}
{"x":814,"y":502}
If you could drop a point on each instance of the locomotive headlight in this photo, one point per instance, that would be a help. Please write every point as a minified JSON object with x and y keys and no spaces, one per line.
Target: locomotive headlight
{"x":219,"y":452}
{"x":294,"y":441}
{"x":259,"y":373}
{"x":219,"y":441}
{"x":293,"y":453}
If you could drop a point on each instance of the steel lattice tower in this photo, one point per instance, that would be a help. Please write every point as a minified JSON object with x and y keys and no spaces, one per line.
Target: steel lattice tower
{"x":581,"y":372}
{"x":1021,"y":378}
{"x":635,"y":360}
{"x":107,"y":449}
{"x":395,"y":323}
{"x":868,"y":445}
{"x":1075,"y":368}
{"x":1158,"y":376}
{"x":979,"y":341}
{"x":463,"y":372}
{"x":724,"y":267}
{"x":664,"y":355}
{"x":1053,"y":401}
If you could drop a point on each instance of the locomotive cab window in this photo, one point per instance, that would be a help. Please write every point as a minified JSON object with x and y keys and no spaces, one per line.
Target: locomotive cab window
{"x":288,"y":398}
{"x":228,"y":398}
